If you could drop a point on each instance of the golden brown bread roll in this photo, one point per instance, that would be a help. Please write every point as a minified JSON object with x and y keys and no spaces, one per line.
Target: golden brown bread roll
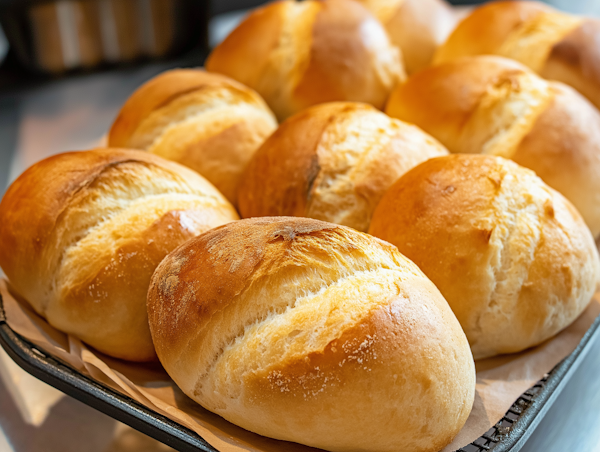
{"x":332,"y":162}
{"x":82,"y":233}
{"x":554,"y":44}
{"x":298,"y":54}
{"x":513,"y":257}
{"x":306,"y":331}
{"x":204,"y":121}
{"x":496,"y":106}
{"x":418,"y":27}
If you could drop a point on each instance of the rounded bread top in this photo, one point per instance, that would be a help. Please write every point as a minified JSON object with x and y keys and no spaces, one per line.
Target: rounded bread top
{"x":511,"y":255}
{"x":496,"y":106}
{"x":276,"y":318}
{"x":484,"y":104}
{"x":417,"y":27}
{"x":332,"y":162}
{"x":83,"y":231}
{"x":297,"y":54}
{"x":525,"y":31}
{"x":166,"y":89}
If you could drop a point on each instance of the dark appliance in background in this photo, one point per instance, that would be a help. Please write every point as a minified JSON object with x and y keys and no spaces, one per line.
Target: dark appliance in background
{"x":56,"y":36}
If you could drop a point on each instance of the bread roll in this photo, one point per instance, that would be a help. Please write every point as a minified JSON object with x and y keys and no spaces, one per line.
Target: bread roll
{"x":306,"y":331}
{"x":513,"y":257}
{"x":298,"y":54}
{"x":554,"y":44}
{"x":332,"y":162}
{"x":204,"y":121}
{"x":82,"y":233}
{"x":496,"y":106}
{"x":418,"y":27}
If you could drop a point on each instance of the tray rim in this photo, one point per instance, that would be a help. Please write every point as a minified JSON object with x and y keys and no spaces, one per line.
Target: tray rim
{"x":65,"y":378}
{"x":553,"y":384}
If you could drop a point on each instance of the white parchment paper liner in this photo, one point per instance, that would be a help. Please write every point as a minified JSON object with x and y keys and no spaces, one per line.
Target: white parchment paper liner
{"x":500,"y":380}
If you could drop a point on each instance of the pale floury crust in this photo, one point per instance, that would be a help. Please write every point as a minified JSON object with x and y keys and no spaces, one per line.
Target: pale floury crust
{"x":496,"y":106}
{"x":310,"y":332}
{"x":207,"y":122}
{"x":554,"y":44}
{"x":82,"y":233}
{"x":511,"y":255}
{"x":332,"y":162}
{"x":298,"y":54}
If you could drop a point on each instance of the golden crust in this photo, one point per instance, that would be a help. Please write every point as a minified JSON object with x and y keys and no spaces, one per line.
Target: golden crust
{"x":563,"y":148}
{"x":575,"y":60}
{"x":417,"y":27}
{"x":485,"y":30}
{"x":556,"y":45}
{"x":300,"y":54}
{"x":473,"y":105}
{"x":496,"y":106}
{"x":512,"y":256}
{"x":154,"y":94}
{"x":332,"y":162}
{"x":82,"y":248}
{"x":202,"y":120}
{"x":245,"y":44}
{"x":285,"y":325}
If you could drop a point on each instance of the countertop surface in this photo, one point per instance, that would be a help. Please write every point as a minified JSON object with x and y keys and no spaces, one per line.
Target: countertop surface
{"x":74,"y":114}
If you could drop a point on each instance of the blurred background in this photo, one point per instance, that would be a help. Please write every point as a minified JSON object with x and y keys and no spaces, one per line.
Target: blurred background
{"x":66,"y":67}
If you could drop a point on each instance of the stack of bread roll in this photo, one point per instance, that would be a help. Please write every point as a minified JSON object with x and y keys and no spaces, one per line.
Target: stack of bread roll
{"x":294,"y":322}
{"x":496,"y":106}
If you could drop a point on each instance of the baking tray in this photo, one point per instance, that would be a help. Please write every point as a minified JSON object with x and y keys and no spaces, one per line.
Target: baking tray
{"x":508,"y":435}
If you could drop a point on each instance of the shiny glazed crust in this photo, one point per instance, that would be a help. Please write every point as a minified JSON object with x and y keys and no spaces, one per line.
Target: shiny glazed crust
{"x":207,"y":122}
{"x":297,"y":54}
{"x":513,"y":257}
{"x":306,"y":331}
{"x":556,"y":45}
{"x":417,"y":27}
{"x":82,"y":233}
{"x":496,"y":106}
{"x":332,"y":162}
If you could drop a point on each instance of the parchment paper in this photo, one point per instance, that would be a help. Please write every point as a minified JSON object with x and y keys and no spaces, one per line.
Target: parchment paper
{"x":500,"y":380}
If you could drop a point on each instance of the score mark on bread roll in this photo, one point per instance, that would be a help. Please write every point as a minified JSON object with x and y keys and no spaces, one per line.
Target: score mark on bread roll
{"x":332,"y":162}
{"x":513,"y":258}
{"x":82,"y":233}
{"x":205,"y":121}
{"x":298,"y":54}
{"x":497,"y":106}
{"x":310,"y":332}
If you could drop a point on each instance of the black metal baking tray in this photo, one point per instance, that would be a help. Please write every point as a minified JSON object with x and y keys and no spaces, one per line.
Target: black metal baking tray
{"x":508,"y":435}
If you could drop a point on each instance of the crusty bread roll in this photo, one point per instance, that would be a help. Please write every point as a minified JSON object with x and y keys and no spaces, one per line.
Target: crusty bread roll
{"x":204,"y":121}
{"x":306,"y":331}
{"x":496,"y":106}
{"x":418,"y":27}
{"x":512,"y":256}
{"x":332,"y":162}
{"x":298,"y":54}
{"x":554,"y":44}
{"x":82,"y":233}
